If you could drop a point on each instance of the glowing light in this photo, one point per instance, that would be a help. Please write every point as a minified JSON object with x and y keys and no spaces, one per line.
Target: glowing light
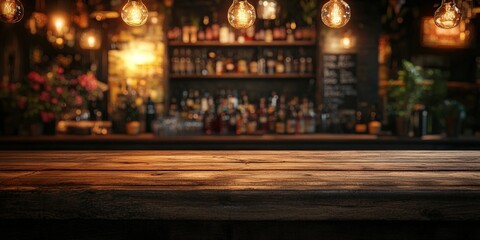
{"x":91,"y":40}
{"x":448,"y":15}
{"x":11,"y":11}
{"x":336,"y":13}
{"x":135,"y":13}
{"x":267,"y":9}
{"x":241,"y":14}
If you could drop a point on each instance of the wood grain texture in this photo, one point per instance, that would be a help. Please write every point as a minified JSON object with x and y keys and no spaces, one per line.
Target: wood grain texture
{"x":241,"y":185}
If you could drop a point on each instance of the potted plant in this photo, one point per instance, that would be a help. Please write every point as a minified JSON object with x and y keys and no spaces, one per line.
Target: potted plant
{"x":454,"y":114}
{"x":403,"y":95}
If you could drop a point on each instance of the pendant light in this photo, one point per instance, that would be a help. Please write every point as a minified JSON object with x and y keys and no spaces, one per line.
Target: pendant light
{"x":241,"y":14}
{"x":448,"y":15}
{"x":135,"y":13}
{"x":11,"y":11}
{"x":336,"y":13}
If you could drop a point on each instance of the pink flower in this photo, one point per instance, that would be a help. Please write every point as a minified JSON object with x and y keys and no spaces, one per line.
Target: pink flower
{"x":78,"y":100}
{"x":44,"y":96}
{"x":47,"y":116}
{"x":60,"y":71}
{"x":59,"y":90}
{"x":36,"y":77}
{"x":48,"y":88}
{"x":36,"y":87}
{"x":88,"y":81}
{"x":54,"y":101}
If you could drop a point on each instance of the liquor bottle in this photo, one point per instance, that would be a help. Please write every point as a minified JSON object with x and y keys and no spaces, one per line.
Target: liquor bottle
{"x":375,"y":124}
{"x":310,"y":119}
{"x":360,"y":121}
{"x":271,"y":62}
{"x":219,"y":65}
{"x":272,"y":112}
{"x":262,"y":64}
{"x":224,"y":118}
{"x":268,"y":32}
{"x":262,"y":117}
{"x":420,"y":121}
{"x":280,"y":121}
{"x":279,"y":65}
{"x":182,"y":68}
{"x":215,"y":27}
{"x":229,"y":62}
{"x":241,"y":120}
{"x":190,"y":65}
{"x":150,"y":115}
{"x":288,"y":63}
{"x":209,"y":118}
{"x":291,"y":119}
{"x":175,"y":62}
{"x":252,"y":120}
{"x":301,"y":128}
{"x":253,"y":65}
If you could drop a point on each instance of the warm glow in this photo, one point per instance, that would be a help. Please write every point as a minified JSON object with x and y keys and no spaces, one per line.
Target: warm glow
{"x":447,"y":15}
{"x":59,"y":23}
{"x":267,"y":9}
{"x":11,"y":11}
{"x":135,"y":13}
{"x":346,"y":42}
{"x":241,"y":14}
{"x":336,"y":13}
{"x":90,"y":40}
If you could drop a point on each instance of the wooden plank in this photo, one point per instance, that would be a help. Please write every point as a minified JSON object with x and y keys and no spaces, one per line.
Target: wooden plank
{"x":244,"y":180}
{"x":241,"y":205}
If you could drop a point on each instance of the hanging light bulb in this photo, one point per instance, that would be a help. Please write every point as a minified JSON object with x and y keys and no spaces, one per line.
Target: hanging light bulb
{"x":11,"y":11}
{"x":267,"y":9}
{"x":135,"y":13}
{"x":448,"y":15}
{"x":241,"y":14}
{"x":336,"y":13}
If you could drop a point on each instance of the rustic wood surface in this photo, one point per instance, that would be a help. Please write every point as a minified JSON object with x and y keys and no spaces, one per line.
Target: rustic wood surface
{"x":241,"y":185}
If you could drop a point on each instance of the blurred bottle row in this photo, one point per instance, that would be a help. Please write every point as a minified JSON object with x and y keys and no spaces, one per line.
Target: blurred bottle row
{"x":252,"y":61}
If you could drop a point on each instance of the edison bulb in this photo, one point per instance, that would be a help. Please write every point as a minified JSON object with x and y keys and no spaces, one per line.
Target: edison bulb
{"x":336,"y":13}
{"x":241,"y":14}
{"x":448,"y":15}
{"x":11,"y":11}
{"x":135,"y":13}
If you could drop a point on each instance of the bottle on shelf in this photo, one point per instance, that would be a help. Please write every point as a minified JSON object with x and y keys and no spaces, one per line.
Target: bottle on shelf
{"x":375,"y":124}
{"x":361,"y":126}
{"x":150,"y":115}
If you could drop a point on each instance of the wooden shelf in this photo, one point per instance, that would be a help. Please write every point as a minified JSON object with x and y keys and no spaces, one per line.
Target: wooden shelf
{"x":242,"y":76}
{"x":245,"y":44}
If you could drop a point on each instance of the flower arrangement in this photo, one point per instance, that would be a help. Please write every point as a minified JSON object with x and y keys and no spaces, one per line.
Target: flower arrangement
{"x":45,"y":96}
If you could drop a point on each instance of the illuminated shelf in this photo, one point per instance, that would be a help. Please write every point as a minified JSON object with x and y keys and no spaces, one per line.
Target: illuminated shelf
{"x":245,"y":44}
{"x":242,"y":76}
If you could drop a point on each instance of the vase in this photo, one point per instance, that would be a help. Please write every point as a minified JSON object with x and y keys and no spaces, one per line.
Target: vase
{"x":133,"y":128}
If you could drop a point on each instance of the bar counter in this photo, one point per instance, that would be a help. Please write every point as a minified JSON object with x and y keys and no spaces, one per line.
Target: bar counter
{"x":215,"y":193}
{"x":244,"y":142}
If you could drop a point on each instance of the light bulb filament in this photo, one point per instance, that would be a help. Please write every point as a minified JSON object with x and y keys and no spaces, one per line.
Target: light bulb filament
{"x":8,"y":9}
{"x":336,"y":15}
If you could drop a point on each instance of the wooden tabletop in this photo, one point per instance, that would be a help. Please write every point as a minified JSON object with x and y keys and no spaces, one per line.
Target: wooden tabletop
{"x":241,"y":185}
